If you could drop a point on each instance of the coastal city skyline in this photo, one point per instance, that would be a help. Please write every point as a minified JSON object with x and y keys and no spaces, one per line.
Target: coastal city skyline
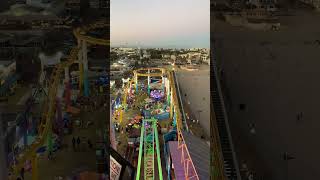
{"x":168,"y":24}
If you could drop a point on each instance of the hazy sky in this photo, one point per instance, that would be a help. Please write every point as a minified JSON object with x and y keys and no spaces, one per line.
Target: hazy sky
{"x":160,"y":23}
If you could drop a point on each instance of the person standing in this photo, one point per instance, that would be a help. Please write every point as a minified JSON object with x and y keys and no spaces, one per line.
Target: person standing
{"x":50,"y":156}
{"x":90,"y":144}
{"x":78,"y":142}
{"x":74,"y":143}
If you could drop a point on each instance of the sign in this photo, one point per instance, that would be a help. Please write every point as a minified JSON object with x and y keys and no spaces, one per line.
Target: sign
{"x":115,"y":169}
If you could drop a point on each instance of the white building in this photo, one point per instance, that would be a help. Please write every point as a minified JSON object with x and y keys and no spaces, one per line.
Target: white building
{"x":165,"y":55}
{"x":146,"y":55}
{"x":173,"y":57}
{"x":6,"y":68}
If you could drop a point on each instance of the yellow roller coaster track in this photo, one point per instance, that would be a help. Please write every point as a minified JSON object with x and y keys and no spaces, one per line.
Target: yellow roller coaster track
{"x":46,"y":123}
{"x":139,"y":72}
{"x":80,"y":33}
{"x":49,"y":109}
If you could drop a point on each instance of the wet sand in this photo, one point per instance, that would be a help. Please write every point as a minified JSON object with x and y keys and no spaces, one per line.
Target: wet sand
{"x":276,"y":75}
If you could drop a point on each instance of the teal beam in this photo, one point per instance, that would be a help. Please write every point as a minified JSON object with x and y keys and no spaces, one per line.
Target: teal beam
{"x":162,"y":83}
{"x":136,"y":88}
{"x":140,"y":152}
{"x":174,"y":120}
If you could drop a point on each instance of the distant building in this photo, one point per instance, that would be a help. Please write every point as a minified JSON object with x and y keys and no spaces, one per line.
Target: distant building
{"x":205,"y":59}
{"x":100,"y":5}
{"x":20,"y":1}
{"x":314,"y":3}
{"x":166,"y":56}
{"x":94,"y":4}
{"x":146,"y":54}
{"x":72,"y":6}
{"x":173,"y":57}
{"x":39,"y":3}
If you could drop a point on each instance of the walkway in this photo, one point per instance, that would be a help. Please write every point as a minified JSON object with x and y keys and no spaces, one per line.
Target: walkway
{"x":67,"y":162}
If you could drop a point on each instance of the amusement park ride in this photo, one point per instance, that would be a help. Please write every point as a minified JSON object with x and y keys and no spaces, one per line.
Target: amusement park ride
{"x":149,"y":146}
{"x":149,"y":140}
{"x":77,"y":55}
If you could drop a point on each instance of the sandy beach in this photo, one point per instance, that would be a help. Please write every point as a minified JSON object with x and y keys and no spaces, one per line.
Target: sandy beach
{"x":276,"y":75}
{"x":196,"y":85}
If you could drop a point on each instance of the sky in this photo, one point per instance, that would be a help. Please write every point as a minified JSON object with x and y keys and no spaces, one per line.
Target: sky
{"x":160,"y":23}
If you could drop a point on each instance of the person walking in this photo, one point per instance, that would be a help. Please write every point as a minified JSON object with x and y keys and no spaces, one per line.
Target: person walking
{"x":22,"y":173}
{"x":74,"y":143}
{"x":50,"y":156}
{"x":90,"y":144}
{"x":78,"y":142}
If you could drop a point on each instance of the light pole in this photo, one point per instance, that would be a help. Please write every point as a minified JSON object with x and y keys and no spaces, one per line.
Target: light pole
{"x":287,"y":158}
{"x":199,"y":111}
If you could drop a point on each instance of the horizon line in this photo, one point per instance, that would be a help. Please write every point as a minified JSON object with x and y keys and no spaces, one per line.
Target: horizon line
{"x":159,"y":47}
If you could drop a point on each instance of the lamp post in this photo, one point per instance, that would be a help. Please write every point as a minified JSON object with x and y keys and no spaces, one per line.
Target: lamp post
{"x":287,"y":158}
{"x":199,"y":111}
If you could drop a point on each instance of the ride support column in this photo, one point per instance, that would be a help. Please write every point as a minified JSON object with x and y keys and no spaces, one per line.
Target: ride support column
{"x":80,"y":66}
{"x":149,"y":82}
{"x":174,"y":118}
{"x":85,"y":68}
{"x":162,"y":81}
{"x":34,"y":166}
{"x":67,"y":86}
{"x":171,"y":104}
{"x":157,"y":148}
{"x":136,"y":82}
{"x":59,"y":120}
{"x":168,"y":91}
{"x":140,"y":151}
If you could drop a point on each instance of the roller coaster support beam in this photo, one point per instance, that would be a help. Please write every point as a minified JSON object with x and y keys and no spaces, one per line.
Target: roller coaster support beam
{"x":140,"y":152}
{"x":85,"y":68}
{"x":148,"y":82}
{"x":168,"y":91}
{"x":171,"y":104}
{"x":34,"y":166}
{"x":162,"y":81}
{"x":136,"y":82}
{"x":67,"y":86}
{"x":158,"y":149}
{"x":80,"y":67}
{"x":59,"y":121}
{"x":66,"y":74}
